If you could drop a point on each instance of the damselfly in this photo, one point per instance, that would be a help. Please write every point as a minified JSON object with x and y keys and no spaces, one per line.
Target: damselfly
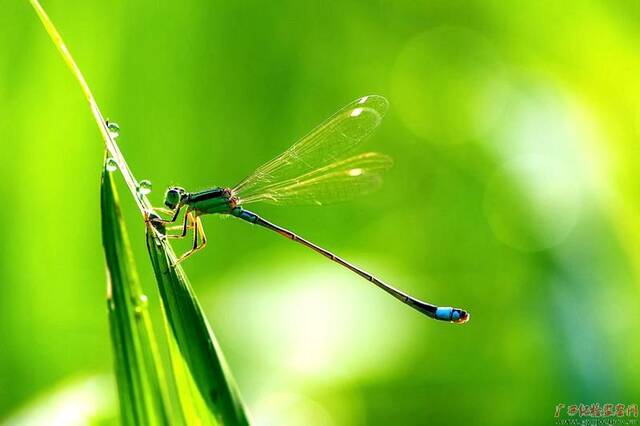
{"x":316,"y":170}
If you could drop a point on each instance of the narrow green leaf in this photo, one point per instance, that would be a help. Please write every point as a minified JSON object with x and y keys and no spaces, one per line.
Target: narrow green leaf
{"x":198,"y":372}
{"x":194,"y":337}
{"x":194,"y":408}
{"x":139,"y":374}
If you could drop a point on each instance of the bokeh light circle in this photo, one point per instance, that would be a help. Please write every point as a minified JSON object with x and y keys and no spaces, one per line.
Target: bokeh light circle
{"x":449,"y":84}
{"x":314,"y":320}
{"x":532,"y":203}
{"x":288,"y":409}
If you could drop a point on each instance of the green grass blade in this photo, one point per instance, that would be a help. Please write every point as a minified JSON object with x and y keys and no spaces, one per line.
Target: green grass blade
{"x":194,"y":337}
{"x":198,"y":366}
{"x":194,"y":408}
{"x":139,"y":373}
{"x":110,"y":143}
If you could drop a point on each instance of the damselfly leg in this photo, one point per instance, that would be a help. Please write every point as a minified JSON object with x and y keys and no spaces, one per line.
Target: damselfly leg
{"x":187,"y":223}
{"x":190,"y":221}
{"x":175,"y":212}
{"x":198,"y":234}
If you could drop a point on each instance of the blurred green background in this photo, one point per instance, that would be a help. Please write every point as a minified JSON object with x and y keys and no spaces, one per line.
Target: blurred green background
{"x":514,"y":127}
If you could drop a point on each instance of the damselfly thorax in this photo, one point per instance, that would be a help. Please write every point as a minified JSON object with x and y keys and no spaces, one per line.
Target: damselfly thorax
{"x":211,"y":201}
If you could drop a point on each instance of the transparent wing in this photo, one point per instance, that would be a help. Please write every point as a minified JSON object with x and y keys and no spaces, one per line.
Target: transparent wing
{"x":335,"y":182}
{"x":328,"y":143}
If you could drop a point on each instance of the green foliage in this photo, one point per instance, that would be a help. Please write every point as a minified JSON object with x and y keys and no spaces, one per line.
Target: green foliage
{"x":153,"y":392}
{"x":195,"y":387}
{"x":193,"y":336}
{"x":140,"y":375}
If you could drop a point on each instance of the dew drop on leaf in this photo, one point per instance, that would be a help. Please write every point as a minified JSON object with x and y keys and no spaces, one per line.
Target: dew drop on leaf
{"x":114,"y":129}
{"x":144,"y":187}
{"x":143,"y":299}
{"x":112,"y":165}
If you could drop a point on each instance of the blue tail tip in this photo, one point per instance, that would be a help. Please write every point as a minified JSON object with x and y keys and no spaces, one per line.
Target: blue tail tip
{"x":455,"y":315}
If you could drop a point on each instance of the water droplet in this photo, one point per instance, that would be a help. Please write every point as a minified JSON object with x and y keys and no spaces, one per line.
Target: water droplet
{"x":356,"y":112}
{"x":112,"y":165}
{"x":355,"y":172}
{"x":140,"y":300}
{"x":144,"y":187}
{"x":140,"y":304}
{"x":143,"y":299}
{"x":114,"y":129}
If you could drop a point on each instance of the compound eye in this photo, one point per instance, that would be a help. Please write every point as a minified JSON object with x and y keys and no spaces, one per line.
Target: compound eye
{"x":172,"y":198}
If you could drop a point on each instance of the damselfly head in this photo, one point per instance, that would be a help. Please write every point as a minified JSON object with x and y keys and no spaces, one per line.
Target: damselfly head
{"x":174,"y":197}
